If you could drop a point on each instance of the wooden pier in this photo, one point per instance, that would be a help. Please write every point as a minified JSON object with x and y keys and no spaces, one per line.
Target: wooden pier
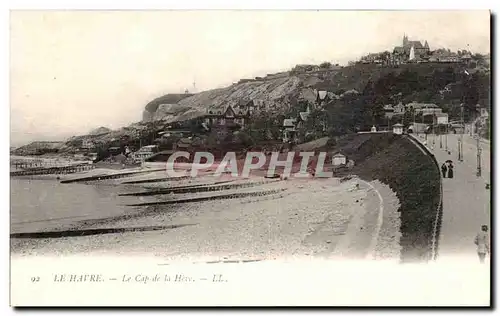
{"x":31,"y":171}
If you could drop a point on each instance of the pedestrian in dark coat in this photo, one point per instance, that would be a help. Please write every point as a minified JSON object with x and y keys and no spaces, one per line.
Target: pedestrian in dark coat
{"x":444,"y":169}
{"x":450,"y":170}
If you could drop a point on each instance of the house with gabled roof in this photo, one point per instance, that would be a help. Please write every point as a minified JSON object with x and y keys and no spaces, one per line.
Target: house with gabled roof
{"x":289,"y":130}
{"x":294,"y":128}
{"x":245,"y":106}
{"x":322,"y":97}
{"x":230,"y":118}
{"x":388,"y":111}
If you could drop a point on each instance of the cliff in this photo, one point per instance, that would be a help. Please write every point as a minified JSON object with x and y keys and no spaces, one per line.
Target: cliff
{"x":166,"y":100}
{"x":100,"y":131}
{"x":39,"y":148}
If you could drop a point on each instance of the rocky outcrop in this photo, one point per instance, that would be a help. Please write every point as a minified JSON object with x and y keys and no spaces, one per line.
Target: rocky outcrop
{"x":152,"y":107}
{"x":170,"y":111}
{"x":269,"y":94}
{"x":99,"y":131}
{"x":39,"y":147}
{"x":273,"y":93}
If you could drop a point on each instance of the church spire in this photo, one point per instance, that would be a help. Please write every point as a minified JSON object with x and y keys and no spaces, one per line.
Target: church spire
{"x":426,"y":45}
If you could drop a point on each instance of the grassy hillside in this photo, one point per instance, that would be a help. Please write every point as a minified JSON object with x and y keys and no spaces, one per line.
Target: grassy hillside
{"x":395,"y":161}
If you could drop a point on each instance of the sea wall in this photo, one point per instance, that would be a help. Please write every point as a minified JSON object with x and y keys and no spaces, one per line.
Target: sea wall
{"x":410,"y":172}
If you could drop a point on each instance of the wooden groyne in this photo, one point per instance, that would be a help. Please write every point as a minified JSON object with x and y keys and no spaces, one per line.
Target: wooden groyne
{"x":51,"y":170}
{"x":211,"y":198}
{"x":110,"y":176}
{"x":155,"y":180}
{"x":196,"y":188}
{"x":97,"y":231}
{"x":172,"y":189}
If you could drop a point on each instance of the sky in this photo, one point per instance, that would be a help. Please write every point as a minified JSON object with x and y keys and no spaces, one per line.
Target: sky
{"x":73,"y":71}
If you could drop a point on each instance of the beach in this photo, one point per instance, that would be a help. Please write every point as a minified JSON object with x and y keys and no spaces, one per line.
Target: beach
{"x":294,"y":218}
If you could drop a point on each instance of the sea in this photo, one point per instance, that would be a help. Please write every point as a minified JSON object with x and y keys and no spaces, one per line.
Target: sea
{"x":44,"y":205}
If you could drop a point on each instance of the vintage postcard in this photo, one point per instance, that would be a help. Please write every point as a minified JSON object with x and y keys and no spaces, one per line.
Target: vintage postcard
{"x":250,"y":158}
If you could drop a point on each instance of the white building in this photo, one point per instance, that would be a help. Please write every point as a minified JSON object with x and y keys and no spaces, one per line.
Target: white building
{"x":441,"y":118}
{"x":339,"y":159}
{"x":145,"y":152}
{"x":289,"y":129}
{"x":397,"y":129}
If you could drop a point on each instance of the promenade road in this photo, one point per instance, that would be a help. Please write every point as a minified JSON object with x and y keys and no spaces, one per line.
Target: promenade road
{"x":466,"y":201}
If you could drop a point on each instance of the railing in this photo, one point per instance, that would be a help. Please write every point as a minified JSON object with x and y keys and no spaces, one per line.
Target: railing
{"x":439,"y":211}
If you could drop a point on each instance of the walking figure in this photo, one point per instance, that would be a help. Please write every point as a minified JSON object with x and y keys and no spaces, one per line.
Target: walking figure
{"x":444,"y":169}
{"x":482,"y":242}
{"x":450,"y":170}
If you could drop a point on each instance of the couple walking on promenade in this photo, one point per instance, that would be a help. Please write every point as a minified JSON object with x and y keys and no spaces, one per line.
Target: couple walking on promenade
{"x":447,"y":169}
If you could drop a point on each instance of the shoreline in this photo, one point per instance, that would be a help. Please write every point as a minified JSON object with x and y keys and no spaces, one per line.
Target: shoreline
{"x":313,"y":223}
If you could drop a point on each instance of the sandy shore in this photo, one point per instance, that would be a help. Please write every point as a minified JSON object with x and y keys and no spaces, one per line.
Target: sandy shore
{"x":307,"y":218}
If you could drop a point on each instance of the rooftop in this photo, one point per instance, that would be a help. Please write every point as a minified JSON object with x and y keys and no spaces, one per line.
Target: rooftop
{"x":289,"y":122}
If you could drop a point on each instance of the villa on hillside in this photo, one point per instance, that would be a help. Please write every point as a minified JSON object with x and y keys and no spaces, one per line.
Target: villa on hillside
{"x":445,"y":56}
{"x":372,"y":58}
{"x":424,"y":108}
{"x":294,"y":128}
{"x":289,"y":130}
{"x":388,"y":111}
{"x":230,"y":118}
{"x":305,"y":68}
{"x":246,"y":106}
{"x":399,"y":109}
{"x":394,"y":110}
{"x":322,"y":98}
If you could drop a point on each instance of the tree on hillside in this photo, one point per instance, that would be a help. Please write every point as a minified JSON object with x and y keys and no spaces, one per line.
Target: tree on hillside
{"x":408,"y":117}
{"x":265,"y":127}
{"x":477,"y":57}
{"x":244,"y":139}
{"x":470,"y":96}
{"x":315,"y":121}
{"x":385,"y":56}
{"x":375,"y":95}
{"x":325,"y":65}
